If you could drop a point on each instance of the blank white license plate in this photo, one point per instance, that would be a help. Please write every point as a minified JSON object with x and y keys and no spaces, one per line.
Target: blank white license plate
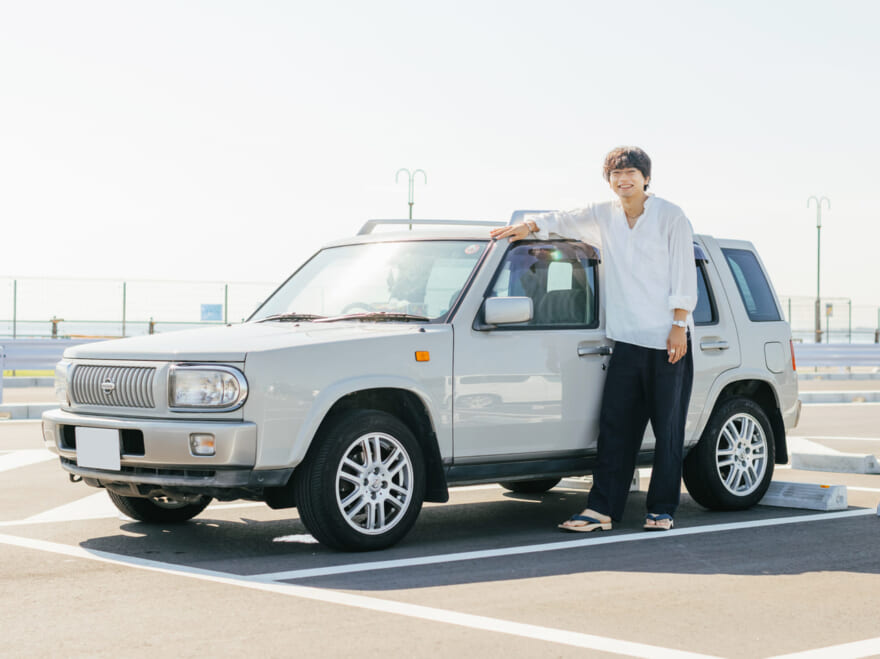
{"x":97,"y":448}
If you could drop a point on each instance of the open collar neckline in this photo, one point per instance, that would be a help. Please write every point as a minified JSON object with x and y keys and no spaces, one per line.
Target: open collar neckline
{"x":648,"y":200}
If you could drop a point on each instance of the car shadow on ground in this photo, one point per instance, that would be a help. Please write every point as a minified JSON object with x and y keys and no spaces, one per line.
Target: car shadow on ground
{"x":246,"y":546}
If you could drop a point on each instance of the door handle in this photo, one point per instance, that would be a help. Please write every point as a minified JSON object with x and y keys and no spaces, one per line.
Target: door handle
{"x":583,"y":351}
{"x":714,"y":345}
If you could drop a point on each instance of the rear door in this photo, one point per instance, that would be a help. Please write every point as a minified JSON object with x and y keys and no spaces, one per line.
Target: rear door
{"x":715,"y":341}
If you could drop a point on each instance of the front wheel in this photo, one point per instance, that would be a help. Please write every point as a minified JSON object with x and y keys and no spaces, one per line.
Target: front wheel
{"x":362,"y":483}
{"x":732,"y":465}
{"x":158,"y":510}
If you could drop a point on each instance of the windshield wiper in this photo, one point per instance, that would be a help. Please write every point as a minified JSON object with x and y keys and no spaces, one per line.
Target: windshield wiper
{"x":376,"y":315}
{"x":292,"y":317}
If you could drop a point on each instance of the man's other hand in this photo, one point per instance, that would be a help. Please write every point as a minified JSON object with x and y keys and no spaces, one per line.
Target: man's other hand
{"x":676,"y":344}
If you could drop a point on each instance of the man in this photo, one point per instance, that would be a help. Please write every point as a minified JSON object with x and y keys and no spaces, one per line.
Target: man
{"x":651,"y":290}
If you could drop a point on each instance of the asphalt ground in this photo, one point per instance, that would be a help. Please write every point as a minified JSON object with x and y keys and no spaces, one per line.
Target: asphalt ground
{"x":486,"y":574}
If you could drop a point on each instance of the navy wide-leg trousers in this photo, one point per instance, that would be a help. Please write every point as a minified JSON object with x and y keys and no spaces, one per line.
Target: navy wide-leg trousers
{"x":640,"y":386}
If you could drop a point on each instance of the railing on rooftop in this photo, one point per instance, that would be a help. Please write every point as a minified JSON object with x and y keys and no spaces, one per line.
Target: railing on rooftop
{"x":842,"y":321}
{"x":106,"y":308}
{"x":101,"y":308}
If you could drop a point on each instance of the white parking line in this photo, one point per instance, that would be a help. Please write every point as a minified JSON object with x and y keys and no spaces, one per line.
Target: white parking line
{"x":865,"y":404}
{"x":23,"y":458}
{"x":836,"y":438}
{"x":868,"y":648}
{"x":483,"y":623}
{"x":551,"y":546}
{"x":99,"y":506}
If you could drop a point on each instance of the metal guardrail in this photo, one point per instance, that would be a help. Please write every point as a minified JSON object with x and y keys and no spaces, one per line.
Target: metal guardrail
{"x":36,"y":354}
{"x":43,"y":354}
{"x":837,"y":354}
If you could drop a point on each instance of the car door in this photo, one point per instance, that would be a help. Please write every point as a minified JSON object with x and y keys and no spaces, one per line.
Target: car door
{"x":532,"y":390}
{"x":715,"y":341}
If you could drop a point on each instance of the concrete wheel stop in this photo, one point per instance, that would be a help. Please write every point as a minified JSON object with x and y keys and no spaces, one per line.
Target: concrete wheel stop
{"x":807,"y":496}
{"x":812,"y":456}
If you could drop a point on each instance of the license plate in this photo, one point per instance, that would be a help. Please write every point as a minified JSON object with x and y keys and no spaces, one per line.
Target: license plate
{"x":98,"y":448}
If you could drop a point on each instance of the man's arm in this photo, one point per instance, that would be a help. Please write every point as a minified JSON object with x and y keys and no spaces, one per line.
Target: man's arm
{"x":683,"y":285}
{"x":579,"y":224}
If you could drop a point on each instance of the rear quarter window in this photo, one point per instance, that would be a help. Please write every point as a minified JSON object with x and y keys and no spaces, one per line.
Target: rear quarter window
{"x":754,"y":289}
{"x":705,"y":312}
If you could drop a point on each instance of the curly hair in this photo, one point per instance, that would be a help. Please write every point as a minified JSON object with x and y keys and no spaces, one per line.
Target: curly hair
{"x":624,"y":157}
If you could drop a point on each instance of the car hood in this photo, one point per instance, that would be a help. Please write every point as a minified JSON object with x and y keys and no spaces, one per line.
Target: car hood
{"x":232,"y":343}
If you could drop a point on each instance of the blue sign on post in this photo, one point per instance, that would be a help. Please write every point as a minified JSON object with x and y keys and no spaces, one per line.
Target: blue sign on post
{"x":212,"y":312}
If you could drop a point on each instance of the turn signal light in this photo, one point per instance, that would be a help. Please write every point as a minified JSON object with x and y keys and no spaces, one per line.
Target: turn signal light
{"x":201,"y":444}
{"x":423,"y":356}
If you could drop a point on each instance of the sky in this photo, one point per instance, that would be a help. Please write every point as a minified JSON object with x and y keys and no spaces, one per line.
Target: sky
{"x":227,"y":141}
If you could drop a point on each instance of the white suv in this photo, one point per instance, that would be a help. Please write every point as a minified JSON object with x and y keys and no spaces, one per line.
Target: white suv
{"x":391,"y":366}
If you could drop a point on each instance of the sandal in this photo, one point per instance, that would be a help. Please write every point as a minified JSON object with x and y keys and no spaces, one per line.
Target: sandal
{"x":590,"y":523}
{"x":661,"y":522}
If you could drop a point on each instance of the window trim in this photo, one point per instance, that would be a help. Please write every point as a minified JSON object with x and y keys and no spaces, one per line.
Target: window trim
{"x":480,"y":325}
{"x":727,"y":261}
{"x":713,"y":307}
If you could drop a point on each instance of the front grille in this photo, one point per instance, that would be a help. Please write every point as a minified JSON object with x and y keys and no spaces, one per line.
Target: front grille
{"x":132,"y":386}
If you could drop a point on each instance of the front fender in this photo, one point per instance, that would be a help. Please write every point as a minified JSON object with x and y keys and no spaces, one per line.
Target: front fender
{"x":438,"y":411}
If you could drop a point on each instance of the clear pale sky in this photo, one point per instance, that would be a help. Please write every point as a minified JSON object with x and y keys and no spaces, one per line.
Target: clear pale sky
{"x":229,"y":140}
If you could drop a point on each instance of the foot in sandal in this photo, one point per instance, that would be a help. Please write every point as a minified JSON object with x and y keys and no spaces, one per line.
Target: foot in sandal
{"x":662,"y":522}
{"x":588,"y":520}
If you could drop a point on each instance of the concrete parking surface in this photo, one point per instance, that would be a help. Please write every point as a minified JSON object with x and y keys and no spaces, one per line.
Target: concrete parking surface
{"x":486,"y":574}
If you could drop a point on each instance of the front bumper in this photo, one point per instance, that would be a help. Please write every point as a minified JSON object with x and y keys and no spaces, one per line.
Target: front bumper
{"x":157,"y":452}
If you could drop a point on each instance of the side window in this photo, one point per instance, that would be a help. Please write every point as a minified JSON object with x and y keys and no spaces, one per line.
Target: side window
{"x":705,"y":312}
{"x":752,"y":284}
{"x":559,"y":276}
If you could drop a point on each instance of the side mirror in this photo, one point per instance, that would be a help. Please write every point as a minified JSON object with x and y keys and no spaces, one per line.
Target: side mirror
{"x":507,"y":310}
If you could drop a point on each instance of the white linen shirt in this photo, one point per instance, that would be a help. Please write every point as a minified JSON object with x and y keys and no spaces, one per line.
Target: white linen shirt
{"x":649,"y":269}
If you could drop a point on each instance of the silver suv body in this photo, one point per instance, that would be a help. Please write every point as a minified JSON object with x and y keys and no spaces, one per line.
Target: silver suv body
{"x":391,"y":366}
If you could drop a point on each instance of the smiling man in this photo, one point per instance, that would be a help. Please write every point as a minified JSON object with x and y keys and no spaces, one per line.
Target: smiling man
{"x":650,"y":292}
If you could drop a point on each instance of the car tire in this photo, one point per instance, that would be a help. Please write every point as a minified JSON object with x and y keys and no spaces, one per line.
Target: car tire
{"x":731,"y":466}
{"x":530,"y":487}
{"x":157,"y":510}
{"x":362,"y":483}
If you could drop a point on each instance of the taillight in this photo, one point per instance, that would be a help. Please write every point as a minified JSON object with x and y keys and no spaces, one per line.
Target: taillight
{"x":793,"y":363}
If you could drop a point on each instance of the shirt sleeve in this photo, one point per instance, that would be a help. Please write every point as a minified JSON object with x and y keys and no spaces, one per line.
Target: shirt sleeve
{"x":580,"y":224}
{"x":682,"y":272}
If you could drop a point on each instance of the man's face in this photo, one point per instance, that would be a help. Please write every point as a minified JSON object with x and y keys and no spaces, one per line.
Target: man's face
{"x":628,"y":182}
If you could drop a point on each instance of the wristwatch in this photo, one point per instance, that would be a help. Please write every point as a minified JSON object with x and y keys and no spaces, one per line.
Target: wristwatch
{"x":679,"y":323}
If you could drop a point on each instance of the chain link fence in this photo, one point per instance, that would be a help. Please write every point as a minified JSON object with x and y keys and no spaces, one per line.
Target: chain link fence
{"x":840,"y":320}
{"x":104,"y":308}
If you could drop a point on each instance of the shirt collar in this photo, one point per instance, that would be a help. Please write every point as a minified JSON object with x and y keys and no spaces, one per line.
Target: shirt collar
{"x":648,"y":202}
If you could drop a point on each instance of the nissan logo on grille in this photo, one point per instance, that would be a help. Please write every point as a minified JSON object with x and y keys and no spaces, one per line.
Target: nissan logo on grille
{"x":108,"y":386}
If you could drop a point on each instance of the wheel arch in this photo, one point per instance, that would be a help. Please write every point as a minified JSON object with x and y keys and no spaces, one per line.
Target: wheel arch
{"x":411,"y":409}
{"x":762,"y":393}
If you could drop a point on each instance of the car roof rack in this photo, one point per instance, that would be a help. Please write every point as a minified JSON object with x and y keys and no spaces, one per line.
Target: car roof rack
{"x":372,"y":224}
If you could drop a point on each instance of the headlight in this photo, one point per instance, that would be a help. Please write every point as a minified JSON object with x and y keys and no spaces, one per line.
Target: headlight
{"x":206,"y":387}
{"x":61,"y":370}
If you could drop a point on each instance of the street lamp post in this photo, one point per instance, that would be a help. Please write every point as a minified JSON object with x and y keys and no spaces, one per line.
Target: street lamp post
{"x":412,"y":178}
{"x":818,"y":258}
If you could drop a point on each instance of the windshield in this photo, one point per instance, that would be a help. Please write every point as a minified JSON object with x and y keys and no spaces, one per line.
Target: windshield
{"x":420,"y":278}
